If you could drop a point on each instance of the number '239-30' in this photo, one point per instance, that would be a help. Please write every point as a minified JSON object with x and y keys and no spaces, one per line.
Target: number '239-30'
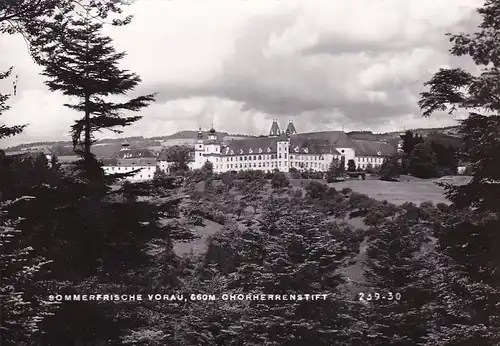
{"x":378,"y":296}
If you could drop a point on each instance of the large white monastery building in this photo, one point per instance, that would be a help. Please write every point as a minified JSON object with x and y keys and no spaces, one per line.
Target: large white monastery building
{"x":288,"y":149}
{"x":280,"y":150}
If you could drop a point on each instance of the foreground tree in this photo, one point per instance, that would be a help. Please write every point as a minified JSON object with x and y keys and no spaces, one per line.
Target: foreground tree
{"x":397,"y":283}
{"x":81,"y":62}
{"x":23,"y":304}
{"x":469,"y":260}
{"x":293,"y":251}
{"x":456,"y":89}
{"x":7,"y":131}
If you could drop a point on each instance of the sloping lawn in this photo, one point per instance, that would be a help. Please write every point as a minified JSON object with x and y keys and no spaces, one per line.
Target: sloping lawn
{"x":198,"y":246}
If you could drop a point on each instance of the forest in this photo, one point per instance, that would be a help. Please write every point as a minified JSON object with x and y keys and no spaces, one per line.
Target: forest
{"x":75,"y":230}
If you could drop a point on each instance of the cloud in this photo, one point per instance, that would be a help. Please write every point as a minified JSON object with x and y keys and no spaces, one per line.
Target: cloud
{"x":359,"y":64}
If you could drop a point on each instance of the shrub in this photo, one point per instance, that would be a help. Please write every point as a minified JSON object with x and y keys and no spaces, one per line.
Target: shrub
{"x":345,"y":191}
{"x":279,"y":181}
{"x":316,"y":190}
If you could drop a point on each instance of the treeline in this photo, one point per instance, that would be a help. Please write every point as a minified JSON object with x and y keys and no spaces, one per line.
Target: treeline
{"x":429,"y":275}
{"x":433,"y":157}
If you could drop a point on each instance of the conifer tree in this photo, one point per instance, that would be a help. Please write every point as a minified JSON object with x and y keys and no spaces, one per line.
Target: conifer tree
{"x":397,"y":284}
{"x":22,"y":306}
{"x":7,"y":131}
{"x":81,"y":62}
{"x":468,"y":260}
{"x":293,"y":251}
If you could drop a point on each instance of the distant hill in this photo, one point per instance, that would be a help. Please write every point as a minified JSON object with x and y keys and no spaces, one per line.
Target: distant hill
{"x":451,"y":131}
{"x":108,"y":147}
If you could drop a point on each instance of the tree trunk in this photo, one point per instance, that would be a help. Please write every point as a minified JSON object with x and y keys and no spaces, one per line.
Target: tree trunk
{"x":87,"y":141}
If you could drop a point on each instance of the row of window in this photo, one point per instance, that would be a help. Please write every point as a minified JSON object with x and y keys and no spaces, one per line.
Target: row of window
{"x":371,"y":159}
{"x":255,"y":165}
{"x":269,"y":157}
{"x":131,"y":168}
{"x":277,"y":164}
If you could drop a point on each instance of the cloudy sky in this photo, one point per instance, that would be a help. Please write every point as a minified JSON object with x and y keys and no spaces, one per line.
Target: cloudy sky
{"x":325,"y":64}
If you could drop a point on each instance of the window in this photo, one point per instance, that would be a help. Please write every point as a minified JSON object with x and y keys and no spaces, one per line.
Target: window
{"x":255,"y":158}
{"x":260,"y":157}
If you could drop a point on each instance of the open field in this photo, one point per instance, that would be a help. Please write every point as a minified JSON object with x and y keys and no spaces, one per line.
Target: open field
{"x":409,"y":189}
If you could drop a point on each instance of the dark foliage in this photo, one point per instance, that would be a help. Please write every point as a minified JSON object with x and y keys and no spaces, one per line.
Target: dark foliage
{"x":423,"y":163}
{"x":351,"y":166}
{"x":390,"y":169}
{"x":80,"y":61}
{"x":279,"y":181}
{"x":179,"y":155}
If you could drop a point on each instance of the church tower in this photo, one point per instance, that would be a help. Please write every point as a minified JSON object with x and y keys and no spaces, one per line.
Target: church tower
{"x":275,"y":129}
{"x":290,"y":129}
{"x":125,"y":150}
{"x":199,"y":150}
{"x":212,"y":151}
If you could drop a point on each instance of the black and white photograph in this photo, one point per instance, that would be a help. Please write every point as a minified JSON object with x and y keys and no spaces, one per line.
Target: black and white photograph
{"x":250,"y":173}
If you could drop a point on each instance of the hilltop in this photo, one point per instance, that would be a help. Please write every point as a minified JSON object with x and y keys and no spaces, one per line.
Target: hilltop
{"x":109,"y":146}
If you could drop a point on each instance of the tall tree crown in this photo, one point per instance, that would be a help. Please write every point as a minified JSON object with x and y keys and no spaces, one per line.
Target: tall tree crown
{"x":456,"y":89}
{"x":80,"y":61}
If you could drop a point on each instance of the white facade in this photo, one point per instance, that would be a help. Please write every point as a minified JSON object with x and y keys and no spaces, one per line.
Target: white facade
{"x":145,"y":173}
{"x":282,"y":156}
{"x":281,"y":150}
{"x":364,"y":161}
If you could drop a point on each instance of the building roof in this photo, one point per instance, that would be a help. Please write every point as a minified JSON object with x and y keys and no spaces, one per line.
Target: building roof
{"x":261,"y":145}
{"x":308,"y":143}
{"x":145,"y":161}
{"x":334,"y":138}
{"x":132,"y":162}
{"x":110,"y":162}
{"x":312,"y":146}
{"x":135,"y":153}
{"x":369,"y":148}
